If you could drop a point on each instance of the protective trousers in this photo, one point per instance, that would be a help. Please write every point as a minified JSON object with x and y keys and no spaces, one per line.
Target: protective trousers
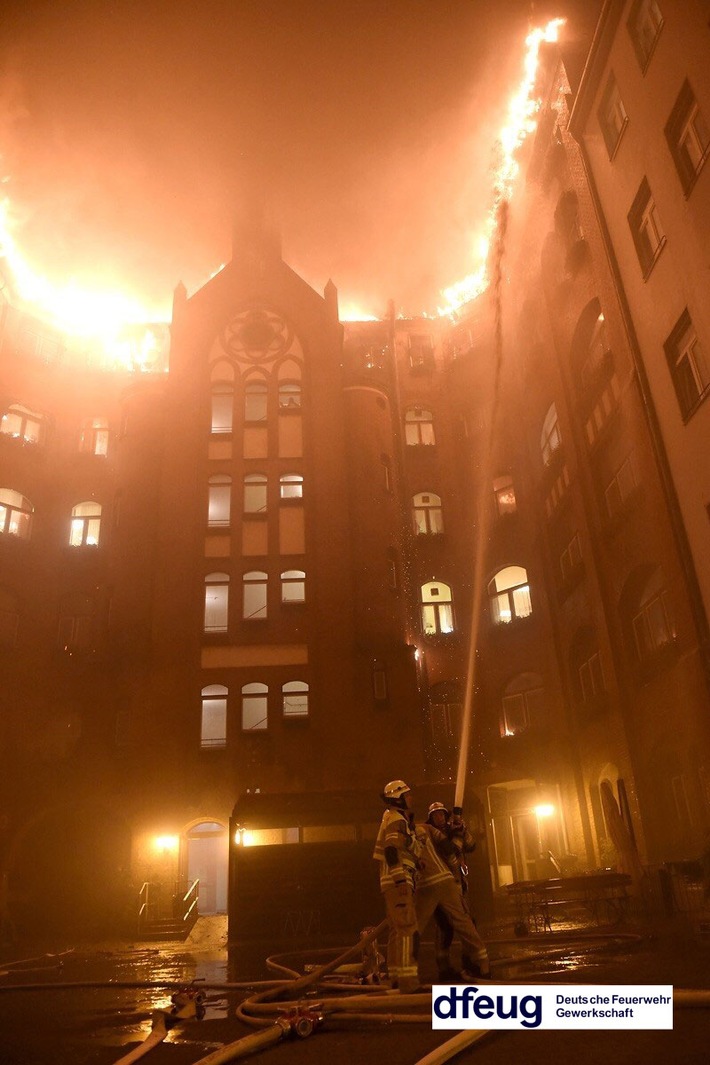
{"x":446,"y":895}
{"x":403,"y":940}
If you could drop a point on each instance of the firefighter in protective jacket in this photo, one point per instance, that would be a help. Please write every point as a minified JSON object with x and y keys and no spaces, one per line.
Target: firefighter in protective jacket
{"x":397,"y":851}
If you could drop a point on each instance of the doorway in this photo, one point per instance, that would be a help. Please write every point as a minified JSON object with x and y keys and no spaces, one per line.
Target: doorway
{"x":207,"y":860}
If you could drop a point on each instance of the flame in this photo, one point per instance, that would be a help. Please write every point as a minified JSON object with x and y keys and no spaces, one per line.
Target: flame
{"x":116,"y":329}
{"x":521,"y":121}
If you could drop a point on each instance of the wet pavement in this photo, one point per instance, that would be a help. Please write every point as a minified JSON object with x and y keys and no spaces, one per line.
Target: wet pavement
{"x":100,"y":1021}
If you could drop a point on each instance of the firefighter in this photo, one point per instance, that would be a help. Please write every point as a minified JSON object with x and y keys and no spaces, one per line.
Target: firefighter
{"x":447,"y":831}
{"x":397,"y":850}
{"x":439,"y":889}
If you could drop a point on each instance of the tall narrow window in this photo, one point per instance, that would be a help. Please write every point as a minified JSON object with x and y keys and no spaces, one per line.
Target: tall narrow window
{"x":686,"y":362}
{"x":612,"y":116}
{"x":289,"y":395}
{"x":94,"y":437}
{"x":653,"y":628}
{"x":437,"y":609}
{"x":646,"y":228}
{"x":591,"y":678}
{"x":76,"y":624}
{"x":509,"y":595}
{"x":645,"y":24}
{"x":295,"y":699}
{"x":15,"y":514}
{"x":255,"y":401}
{"x":222,"y":407}
{"x":213,"y":725}
{"x":620,"y":487}
{"x":688,"y":137}
{"x":255,"y":699}
{"x":85,"y":524}
{"x":523,"y":704}
{"x":291,"y":486}
{"x":216,"y":602}
{"x":219,"y":501}
{"x":255,"y":599}
{"x":23,"y":424}
{"x":293,"y":586}
{"x":504,"y":492}
{"x":419,"y":427}
{"x":255,"y":493}
{"x":550,"y":438}
{"x":428,"y":518}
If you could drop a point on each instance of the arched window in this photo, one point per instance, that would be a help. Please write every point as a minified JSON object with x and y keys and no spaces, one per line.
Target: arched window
{"x":94,"y":437}
{"x":216,"y":602}
{"x":293,"y":586}
{"x":428,"y":519}
{"x":22,"y":423}
{"x":550,"y":438}
{"x":255,"y":400}
{"x":76,"y":624}
{"x":220,"y":498}
{"x":295,"y":699}
{"x":437,"y":609}
{"x":291,"y":486}
{"x":254,"y":601}
{"x":255,"y":493}
{"x":9,"y":618}
{"x":15,"y":514}
{"x":289,"y":395}
{"x":523,"y":704}
{"x":222,"y":397}
{"x":509,"y":595}
{"x":254,"y":707}
{"x":85,"y":524}
{"x":419,"y":426}
{"x":504,"y":492}
{"x":213,"y":725}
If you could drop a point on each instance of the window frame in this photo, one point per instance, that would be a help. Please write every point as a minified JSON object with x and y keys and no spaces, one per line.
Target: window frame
{"x":214,"y":693}
{"x":639,"y":19}
{"x":431,"y":514}
{"x":610,"y":106}
{"x":85,"y":526}
{"x":26,"y":417}
{"x":418,"y":429}
{"x":216,"y":580}
{"x":252,"y":580}
{"x":295,"y":689}
{"x":437,"y":615}
{"x":644,"y":222}
{"x":24,"y":509}
{"x":685,"y":119}
{"x":692,"y":352}
{"x":252,"y":693}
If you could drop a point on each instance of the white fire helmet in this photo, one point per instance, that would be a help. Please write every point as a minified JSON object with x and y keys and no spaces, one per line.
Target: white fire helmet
{"x":395,"y":789}
{"x":437,"y":806}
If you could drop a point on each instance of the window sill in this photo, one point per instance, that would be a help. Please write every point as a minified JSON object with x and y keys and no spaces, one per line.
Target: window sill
{"x":619,"y":139}
{"x":691,"y":182}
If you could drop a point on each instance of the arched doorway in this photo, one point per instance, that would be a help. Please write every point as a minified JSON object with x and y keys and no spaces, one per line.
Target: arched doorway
{"x":207,"y":860}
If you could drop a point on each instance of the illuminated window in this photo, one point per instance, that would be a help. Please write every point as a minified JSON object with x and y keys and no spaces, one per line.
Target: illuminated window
{"x":504,"y":492}
{"x":437,"y":609}
{"x":688,"y":137}
{"x":9,"y":618}
{"x":293,"y":586}
{"x":295,"y":699}
{"x":612,"y":116}
{"x":22,"y":424}
{"x":255,"y":493}
{"x":550,"y":438}
{"x":94,"y":437}
{"x":645,"y":24}
{"x":216,"y":602}
{"x":687,"y":365}
{"x":15,"y":514}
{"x":419,"y":427}
{"x":291,"y":486}
{"x":421,"y":351}
{"x":523,"y":704}
{"x":85,"y":524}
{"x":76,"y":624}
{"x":289,"y":395}
{"x":646,"y":228}
{"x":254,"y":602}
{"x":255,"y":399}
{"x":219,"y":500}
{"x":428,"y":518}
{"x":222,"y":407}
{"x":254,"y":707}
{"x":509,"y":595}
{"x":213,"y":725}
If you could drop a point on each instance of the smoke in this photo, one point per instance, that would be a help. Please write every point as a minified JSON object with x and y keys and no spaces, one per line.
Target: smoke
{"x":128,"y":134}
